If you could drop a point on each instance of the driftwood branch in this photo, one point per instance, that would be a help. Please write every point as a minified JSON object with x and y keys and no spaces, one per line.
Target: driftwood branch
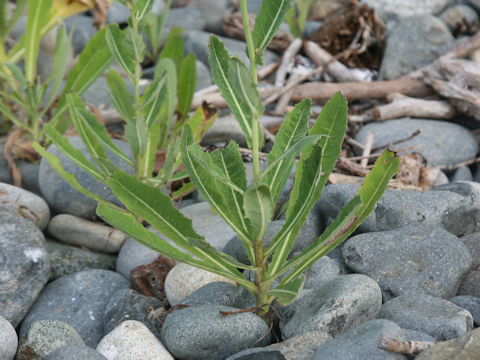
{"x":404,"y":106}
{"x":288,"y":61}
{"x":403,"y":347}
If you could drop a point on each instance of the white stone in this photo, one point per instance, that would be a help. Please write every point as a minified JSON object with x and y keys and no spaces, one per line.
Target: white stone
{"x":184,"y":279}
{"x":25,"y":204}
{"x":8,"y":340}
{"x":131,"y":340}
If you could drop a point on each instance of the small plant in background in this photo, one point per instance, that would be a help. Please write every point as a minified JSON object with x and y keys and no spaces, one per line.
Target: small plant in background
{"x":154,"y":119}
{"x":297,"y":16}
{"x":220,"y":178}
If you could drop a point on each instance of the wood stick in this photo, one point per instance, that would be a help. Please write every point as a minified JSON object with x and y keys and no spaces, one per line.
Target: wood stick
{"x":403,"y":347}
{"x":404,"y":106}
{"x":285,"y":98}
{"x":367,"y":150}
{"x":288,"y":61}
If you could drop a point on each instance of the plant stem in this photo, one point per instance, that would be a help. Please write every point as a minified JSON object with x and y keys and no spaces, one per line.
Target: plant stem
{"x":253,"y":71}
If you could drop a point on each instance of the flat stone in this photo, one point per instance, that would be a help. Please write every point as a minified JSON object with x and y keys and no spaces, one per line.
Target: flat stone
{"x":456,"y":212}
{"x":29,"y":173}
{"x":415,"y":41}
{"x":214,"y":11}
{"x":26,"y":204}
{"x":132,"y":340}
{"x":361,"y":342}
{"x":183,"y":279}
{"x":417,"y":259}
{"x":66,"y":259}
{"x":470,"y":303}
{"x":75,"y":352}
{"x":24,"y":266}
{"x":463,"y":173}
{"x":128,"y":304}
{"x":437,"y":317}
{"x":214,"y":293}
{"x":407,"y":7}
{"x":61,"y":196}
{"x":440,"y":142}
{"x":470,"y":284}
{"x":133,"y":254}
{"x":74,"y":230}
{"x":466,"y":347}
{"x":204,"y":78}
{"x":414,"y":335}
{"x":334,"y":307}
{"x":79,"y":300}
{"x":118,"y":13}
{"x":8,"y":340}
{"x":472,"y":241}
{"x":300,"y":347}
{"x":45,"y":336}
{"x":202,"y":333}
{"x":224,"y":130}
{"x":190,"y":18}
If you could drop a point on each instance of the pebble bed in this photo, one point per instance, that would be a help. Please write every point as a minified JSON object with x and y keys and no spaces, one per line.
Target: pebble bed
{"x":410,"y":272}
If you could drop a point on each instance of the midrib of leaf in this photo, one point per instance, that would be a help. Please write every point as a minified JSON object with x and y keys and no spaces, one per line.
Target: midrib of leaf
{"x":31,"y":49}
{"x":115,"y":49}
{"x":262,"y":209}
{"x":244,"y":91}
{"x":232,"y":94}
{"x":270,"y":29}
{"x":155,"y":100}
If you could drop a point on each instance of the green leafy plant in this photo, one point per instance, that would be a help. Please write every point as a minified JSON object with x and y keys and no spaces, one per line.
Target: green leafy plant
{"x":153,"y":119}
{"x":221,"y":180}
{"x":25,"y":100}
{"x":297,"y":16}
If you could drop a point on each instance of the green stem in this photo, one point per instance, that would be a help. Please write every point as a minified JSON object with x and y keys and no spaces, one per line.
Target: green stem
{"x":253,"y":71}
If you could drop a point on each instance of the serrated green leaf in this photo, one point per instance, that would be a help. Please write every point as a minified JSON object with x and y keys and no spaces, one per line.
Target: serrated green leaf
{"x":259,"y":208}
{"x":36,"y":19}
{"x":313,"y":169}
{"x":92,"y":62}
{"x":136,"y":133}
{"x":153,"y":99}
{"x":187,"y":78}
{"x":167,"y":67}
{"x":286,"y":293}
{"x":282,"y":157}
{"x":124,"y":54}
{"x":142,"y":8}
{"x":237,"y":87}
{"x":147,"y":162}
{"x":120,"y":95}
{"x":270,"y":17}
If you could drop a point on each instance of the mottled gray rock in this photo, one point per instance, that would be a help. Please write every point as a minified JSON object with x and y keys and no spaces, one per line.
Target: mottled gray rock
{"x":440,"y":142}
{"x":417,"y":259}
{"x":28,"y":170}
{"x":460,"y":19}
{"x":470,"y":303}
{"x":132,"y":340}
{"x":196,"y":42}
{"x":65,"y":259}
{"x":24,"y":266}
{"x":209,"y":225}
{"x":470,"y":284}
{"x":77,"y":231}
{"x":204,"y":79}
{"x":183,"y":279}
{"x":437,"y":317}
{"x":83,"y":31}
{"x":415,"y":335}
{"x":416,"y":41}
{"x":214,"y":11}
{"x":133,"y":254}
{"x":190,"y":18}
{"x":128,"y":304}
{"x":407,"y":7}
{"x":79,"y":300}
{"x":300,"y":347}
{"x":456,"y":213}
{"x":472,"y":241}
{"x":61,"y":196}
{"x":325,"y":269}
{"x":361,"y":342}
{"x":203,"y":333}
{"x":215,"y":293}
{"x":8,"y":340}
{"x":45,"y":336}
{"x":224,"y":130}
{"x":334,"y":307}
{"x":463,"y":173}
{"x":97,"y":94}
{"x":466,"y":347}
{"x":15,"y":200}
{"x":118,"y":13}
{"x":75,"y":352}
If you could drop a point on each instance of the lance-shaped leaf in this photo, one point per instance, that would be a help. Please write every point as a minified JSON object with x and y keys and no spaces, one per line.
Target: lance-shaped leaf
{"x":313,"y":170}
{"x":142,"y":8}
{"x":92,"y":62}
{"x":122,"y":49}
{"x":287,"y":292}
{"x":223,"y":192}
{"x":280,"y":161}
{"x":36,"y":20}
{"x":270,"y":17}
{"x":187,"y":78}
{"x":156,"y":208}
{"x":173,"y":49}
{"x":153,"y":99}
{"x":259,"y":207}
{"x":350,"y":217}
{"x":127,"y":223}
{"x":120,"y":95}
{"x":136,"y":133}
{"x":236,"y":85}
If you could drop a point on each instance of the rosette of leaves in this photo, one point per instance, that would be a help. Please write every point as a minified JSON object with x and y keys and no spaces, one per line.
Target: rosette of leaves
{"x":153,"y":119}
{"x":220,"y":178}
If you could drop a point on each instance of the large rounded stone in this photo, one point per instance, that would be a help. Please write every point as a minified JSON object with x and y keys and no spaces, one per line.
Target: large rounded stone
{"x":202,"y":333}
{"x":8,"y":340}
{"x":407,"y":7}
{"x":334,"y":307}
{"x":75,"y":352}
{"x":24,"y":266}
